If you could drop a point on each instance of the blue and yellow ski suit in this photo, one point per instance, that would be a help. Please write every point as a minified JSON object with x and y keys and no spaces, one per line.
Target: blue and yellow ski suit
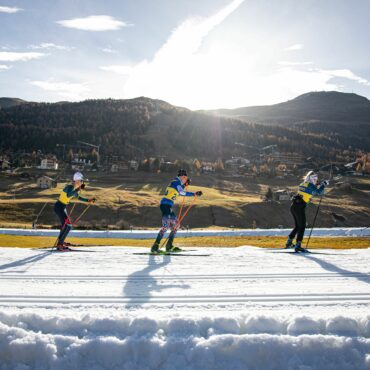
{"x":306,"y":191}
{"x":60,"y":208}
{"x":169,"y":219}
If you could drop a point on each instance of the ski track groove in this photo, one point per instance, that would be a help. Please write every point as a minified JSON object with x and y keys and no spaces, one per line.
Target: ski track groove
{"x":176,"y":299}
{"x":365,"y":275}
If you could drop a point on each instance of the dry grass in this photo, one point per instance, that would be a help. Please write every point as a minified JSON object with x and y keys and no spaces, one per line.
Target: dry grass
{"x":137,"y":195}
{"x":219,"y":241}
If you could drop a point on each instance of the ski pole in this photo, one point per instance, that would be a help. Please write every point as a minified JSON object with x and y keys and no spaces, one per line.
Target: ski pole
{"x":39,"y":214}
{"x":182,"y":204}
{"x":178,"y":223}
{"x":79,"y":217}
{"x":314,"y":220}
{"x":68,"y":220}
{"x":186,"y":212}
{"x":73,"y":207}
{"x":65,"y":223}
{"x":318,"y":207}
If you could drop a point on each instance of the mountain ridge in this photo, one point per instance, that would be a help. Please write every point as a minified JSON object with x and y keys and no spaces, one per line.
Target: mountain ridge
{"x":323,"y":105}
{"x":6,"y":102}
{"x":143,"y":127}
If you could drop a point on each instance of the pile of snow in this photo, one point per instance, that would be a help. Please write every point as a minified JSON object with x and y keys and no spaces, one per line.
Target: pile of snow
{"x":32,"y":341}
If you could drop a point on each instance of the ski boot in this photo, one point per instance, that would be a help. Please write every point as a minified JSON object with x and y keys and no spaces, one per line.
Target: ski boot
{"x":61,"y":247}
{"x":155,"y":248}
{"x":171,"y":248}
{"x":298,"y":248}
{"x":289,"y":243}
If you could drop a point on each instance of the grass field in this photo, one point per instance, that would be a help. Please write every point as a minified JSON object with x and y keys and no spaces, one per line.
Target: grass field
{"x":131,"y":199}
{"x":219,"y":241}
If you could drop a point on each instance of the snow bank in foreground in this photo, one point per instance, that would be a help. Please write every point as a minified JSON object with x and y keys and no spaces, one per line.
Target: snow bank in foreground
{"x":31,"y":341}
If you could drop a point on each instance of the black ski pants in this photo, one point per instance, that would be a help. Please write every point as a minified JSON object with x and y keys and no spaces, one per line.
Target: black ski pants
{"x":61,"y":210}
{"x":298,"y":210}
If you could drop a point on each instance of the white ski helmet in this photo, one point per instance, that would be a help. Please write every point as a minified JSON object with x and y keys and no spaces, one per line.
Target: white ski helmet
{"x":311,"y":177}
{"x":78,"y":176}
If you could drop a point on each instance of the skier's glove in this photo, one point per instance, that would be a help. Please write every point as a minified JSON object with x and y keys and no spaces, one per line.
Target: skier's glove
{"x":188,"y":182}
{"x":92,"y":200}
{"x":325,"y":182}
{"x":198,"y":193}
{"x":82,"y":186}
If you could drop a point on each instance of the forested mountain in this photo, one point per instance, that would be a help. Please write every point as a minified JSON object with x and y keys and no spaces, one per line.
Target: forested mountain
{"x":144,"y":127}
{"x":324,"y":105}
{"x":10,"y":102}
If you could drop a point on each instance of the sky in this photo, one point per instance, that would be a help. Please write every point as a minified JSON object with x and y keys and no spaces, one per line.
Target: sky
{"x":199,"y":54}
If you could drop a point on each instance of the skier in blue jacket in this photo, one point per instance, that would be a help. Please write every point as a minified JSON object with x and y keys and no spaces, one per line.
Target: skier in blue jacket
{"x":169,"y":219}
{"x":306,"y":190}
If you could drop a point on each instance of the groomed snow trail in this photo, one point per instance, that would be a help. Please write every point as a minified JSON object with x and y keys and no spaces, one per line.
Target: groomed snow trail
{"x":239,"y":308}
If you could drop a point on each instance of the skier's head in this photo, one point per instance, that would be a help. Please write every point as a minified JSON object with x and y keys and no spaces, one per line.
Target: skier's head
{"x":78,"y":178}
{"x":182,"y":175}
{"x":311,"y":177}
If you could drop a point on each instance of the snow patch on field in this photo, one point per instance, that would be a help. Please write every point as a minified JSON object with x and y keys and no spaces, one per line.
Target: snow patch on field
{"x":151,"y":234}
{"x":31,"y":341}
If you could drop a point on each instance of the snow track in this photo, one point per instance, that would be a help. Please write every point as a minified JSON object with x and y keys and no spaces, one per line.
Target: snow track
{"x":192,"y":299}
{"x":185,"y":277}
{"x":244,"y":275}
{"x":239,"y":308}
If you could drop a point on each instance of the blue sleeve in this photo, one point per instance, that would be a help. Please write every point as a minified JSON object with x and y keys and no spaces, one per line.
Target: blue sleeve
{"x":318,"y":191}
{"x":180,"y":189}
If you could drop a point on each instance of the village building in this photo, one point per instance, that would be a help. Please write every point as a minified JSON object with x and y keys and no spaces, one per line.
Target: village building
{"x":46,"y":182}
{"x":119,"y":166}
{"x":49,"y":164}
{"x":208,"y":167}
{"x":281,"y":195}
{"x":167,"y":167}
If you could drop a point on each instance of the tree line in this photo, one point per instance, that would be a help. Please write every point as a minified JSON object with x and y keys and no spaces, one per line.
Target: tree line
{"x":143,"y":127}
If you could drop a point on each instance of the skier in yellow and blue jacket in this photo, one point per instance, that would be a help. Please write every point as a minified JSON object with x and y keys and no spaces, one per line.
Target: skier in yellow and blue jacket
{"x":169,"y":219}
{"x":306,"y":190}
{"x":60,"y":207}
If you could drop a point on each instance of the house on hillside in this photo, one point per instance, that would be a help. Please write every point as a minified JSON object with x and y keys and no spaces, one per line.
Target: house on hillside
{"x":119,"y":166}
{"x":281,"y":195}
{"x":233,"y":165}
{"x":49,"y":164}
{"x":208,"y":167}
{"x":46,"y":182}
{"x":133,"y":165}
{"x":168,"y":167}
{"x":289,"y":160}
{"x":4,"y":162}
